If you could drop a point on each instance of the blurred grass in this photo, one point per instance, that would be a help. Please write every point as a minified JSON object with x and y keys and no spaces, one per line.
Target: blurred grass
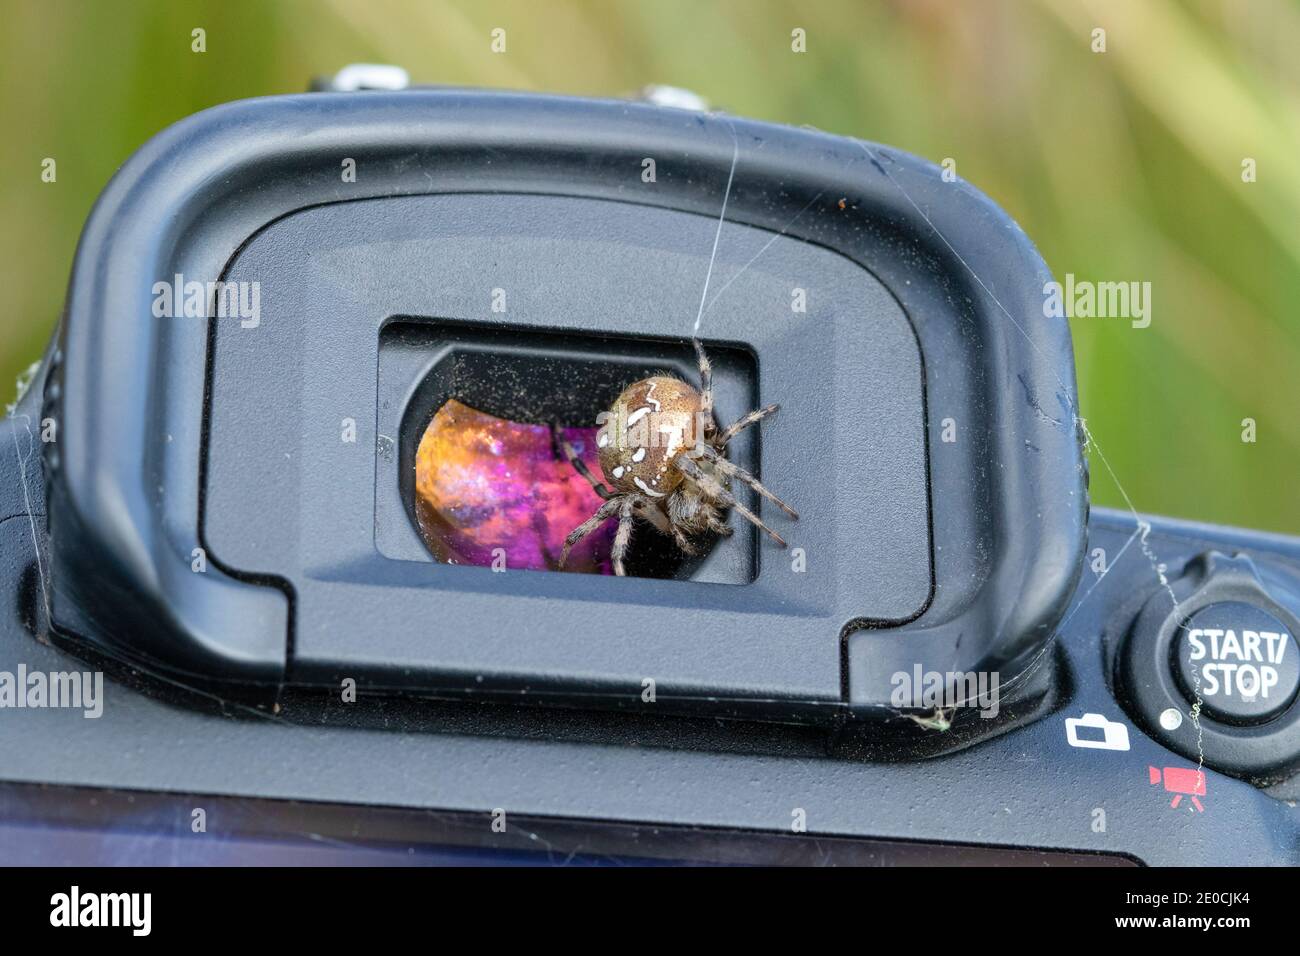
{"x":1121,"y":166}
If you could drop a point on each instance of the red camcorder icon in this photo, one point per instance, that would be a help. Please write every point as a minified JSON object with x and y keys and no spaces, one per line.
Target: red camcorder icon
{"x":1181,"y":782}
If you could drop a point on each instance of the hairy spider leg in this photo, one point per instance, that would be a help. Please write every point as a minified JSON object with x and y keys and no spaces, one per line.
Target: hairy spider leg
{"x":706,"y":387}
{"x":716,"y":525}
{"x":581,"y":468}
{"x":735,"y":471}
{"x":647,"y":509}
{"x":684,"y":543}
{"x":713,"y":489}
{"x":623,"y":536}
{"x":603,"y":513}
{"x":734,"y":429}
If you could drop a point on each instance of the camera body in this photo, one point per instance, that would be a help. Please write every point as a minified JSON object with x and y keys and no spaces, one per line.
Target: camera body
{"x":272,"y":299}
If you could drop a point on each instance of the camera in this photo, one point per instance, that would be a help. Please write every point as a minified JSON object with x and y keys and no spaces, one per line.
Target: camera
{"x":282,"y":309}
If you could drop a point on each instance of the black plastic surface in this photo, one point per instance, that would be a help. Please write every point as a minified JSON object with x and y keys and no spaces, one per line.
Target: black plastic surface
{"x":127,"y":488}
{"x":287,"y":497}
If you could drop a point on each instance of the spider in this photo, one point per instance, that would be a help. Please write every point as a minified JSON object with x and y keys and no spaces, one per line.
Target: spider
{"x":665,"y":457}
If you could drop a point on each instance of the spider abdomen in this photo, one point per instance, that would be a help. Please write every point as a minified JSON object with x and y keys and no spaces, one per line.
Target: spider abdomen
{"x":648,"y":426}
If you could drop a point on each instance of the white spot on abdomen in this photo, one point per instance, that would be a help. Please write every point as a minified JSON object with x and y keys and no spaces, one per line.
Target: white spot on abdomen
{"x":647,"y":489}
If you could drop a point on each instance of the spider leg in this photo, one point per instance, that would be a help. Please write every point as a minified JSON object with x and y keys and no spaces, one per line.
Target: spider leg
{"x":713,"y":520}
{"x":734,"y":429}
{"x":717,"y":525}
{"x":740,"y":474}
{"x":706,"y":387}
{"x":648,"y":510}
{"x":623,"y":536}
{"x":683,"y":542}
{"x":713,"y":489}
{"x":591,"y":524}
{"x":580,"y":467}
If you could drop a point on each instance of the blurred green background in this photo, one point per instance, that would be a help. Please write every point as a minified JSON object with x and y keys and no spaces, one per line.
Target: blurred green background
{"x":1124,"y":165}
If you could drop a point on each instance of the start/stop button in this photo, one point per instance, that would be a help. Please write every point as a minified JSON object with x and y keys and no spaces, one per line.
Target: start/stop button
{"x":1239,"y":660}
{"x":1224,"y":631}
